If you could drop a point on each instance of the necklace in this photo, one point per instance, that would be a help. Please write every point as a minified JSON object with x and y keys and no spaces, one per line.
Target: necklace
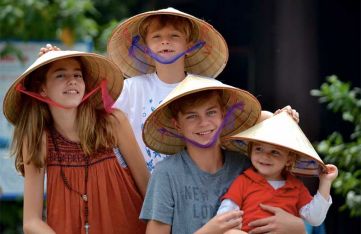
{"x":83,"y":196}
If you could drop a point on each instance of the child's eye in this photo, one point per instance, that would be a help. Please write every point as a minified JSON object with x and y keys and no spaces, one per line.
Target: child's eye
{"x":78,"y":76}
{"x":60,"y":75}
{"x":212,"y":113}
{"x":275,"y":153}
{"x":191,"y":116}
{"x":258,"y":149}
{"x":175,"y":35}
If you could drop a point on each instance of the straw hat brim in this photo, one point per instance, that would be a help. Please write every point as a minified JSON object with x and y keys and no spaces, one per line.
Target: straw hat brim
{"x":162,"y":117}
{"x":282,"y":131}
{"x":208,"y":61}
{"x":97,"y":67}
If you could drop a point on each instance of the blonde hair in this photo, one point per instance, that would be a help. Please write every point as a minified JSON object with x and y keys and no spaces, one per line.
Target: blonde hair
{"x":182,"y":24}
{"x":94,"y":125}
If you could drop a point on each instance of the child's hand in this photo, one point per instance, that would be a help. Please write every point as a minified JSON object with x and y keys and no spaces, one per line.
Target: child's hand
{"x":326,"y":179}
{"x":331,"y":173}
{"x":281,"y":222}
{"x":292,"y":112}
{"x":222,"y":223}
{"x":47,"y":48}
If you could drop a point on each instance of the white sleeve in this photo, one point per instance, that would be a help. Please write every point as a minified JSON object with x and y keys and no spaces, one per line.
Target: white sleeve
{"x":122,"y":102}
{"x":316,"y":210}
{"x":227,"y":205}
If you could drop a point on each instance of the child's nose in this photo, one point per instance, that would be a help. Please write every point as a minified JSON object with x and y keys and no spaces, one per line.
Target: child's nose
{"x":71,"y":79}
{"x":203,"y":120}
{"x":266,"y":155}
{"x":165,"y":41}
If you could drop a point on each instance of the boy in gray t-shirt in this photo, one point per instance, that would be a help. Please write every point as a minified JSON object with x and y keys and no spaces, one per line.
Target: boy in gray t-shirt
{"x":181,"y":193}
{"x":184,"y":190}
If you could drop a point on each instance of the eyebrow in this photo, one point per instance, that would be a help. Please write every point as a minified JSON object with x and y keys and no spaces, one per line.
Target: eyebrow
{"x":193,"y":112}
{"x":63,"y":69}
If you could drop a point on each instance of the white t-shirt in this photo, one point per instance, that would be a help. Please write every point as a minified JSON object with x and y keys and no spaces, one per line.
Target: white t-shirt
{"x":139,"y":98}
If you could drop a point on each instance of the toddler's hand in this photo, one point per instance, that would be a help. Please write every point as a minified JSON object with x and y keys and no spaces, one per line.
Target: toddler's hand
{"x":331,"y":173}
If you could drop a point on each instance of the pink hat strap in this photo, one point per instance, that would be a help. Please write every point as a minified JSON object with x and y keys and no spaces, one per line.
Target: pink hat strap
{"x":106,"y":98}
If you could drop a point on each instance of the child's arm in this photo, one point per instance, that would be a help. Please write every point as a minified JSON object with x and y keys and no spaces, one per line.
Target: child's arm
{"x":33,"y":196}
{"x":315,"y":211}
{"x":326,"y":180}
{"x":227,"y":205}
{"x":131,"y":151}
{"x":156,"y":227}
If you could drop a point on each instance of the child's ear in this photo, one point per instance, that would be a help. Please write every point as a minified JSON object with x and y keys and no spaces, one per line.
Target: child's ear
{"x":290,"y":160}
{"x":189,"y":45}
{"x":42,"y":91}
{"x":176,"y":124}
{"x":224,"y":111}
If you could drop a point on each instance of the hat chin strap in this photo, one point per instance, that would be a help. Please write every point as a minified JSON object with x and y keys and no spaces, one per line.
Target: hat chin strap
{"x":136,"y":45}
{"x":106,"y":98}
{"x":226,"y":120}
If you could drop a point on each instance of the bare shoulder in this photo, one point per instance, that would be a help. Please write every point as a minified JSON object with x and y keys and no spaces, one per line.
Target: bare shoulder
{"x":118,"y":117}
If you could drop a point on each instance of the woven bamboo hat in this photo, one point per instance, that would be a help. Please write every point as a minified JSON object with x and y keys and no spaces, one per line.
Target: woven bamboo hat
{"x":208,"y":61}
{"x":95,"y":67}
{"x":281,"y":130}
{"x":161,"y":117}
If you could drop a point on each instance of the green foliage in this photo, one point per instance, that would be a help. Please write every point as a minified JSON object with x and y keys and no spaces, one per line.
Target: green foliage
{"x":45,"y":20}
{"x":65,"y":20}
{"x":11,"y":216}
{"x":346,"y":155}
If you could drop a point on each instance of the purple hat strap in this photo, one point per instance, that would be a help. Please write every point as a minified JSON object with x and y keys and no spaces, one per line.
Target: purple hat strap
{"x":136,"y":45}
{"x":226,"y":120}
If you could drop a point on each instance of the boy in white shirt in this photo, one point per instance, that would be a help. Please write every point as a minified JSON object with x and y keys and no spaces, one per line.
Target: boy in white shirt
{"x":157,"y":49}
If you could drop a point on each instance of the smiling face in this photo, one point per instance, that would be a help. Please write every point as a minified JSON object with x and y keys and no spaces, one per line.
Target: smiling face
{"x":64,"y":83}
{"x":269,"y":160}
{"x":166,"y":41}
{"x":200,"y":122}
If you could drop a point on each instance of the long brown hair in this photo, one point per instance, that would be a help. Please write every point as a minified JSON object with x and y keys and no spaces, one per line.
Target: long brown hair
{"x":94,"y":126}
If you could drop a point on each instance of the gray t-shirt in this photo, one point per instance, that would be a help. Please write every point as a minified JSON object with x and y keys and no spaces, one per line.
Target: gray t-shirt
{"x":185,"y":197}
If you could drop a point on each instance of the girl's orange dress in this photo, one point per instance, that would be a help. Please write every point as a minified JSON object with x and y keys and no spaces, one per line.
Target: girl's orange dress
{"x":113,"y":201}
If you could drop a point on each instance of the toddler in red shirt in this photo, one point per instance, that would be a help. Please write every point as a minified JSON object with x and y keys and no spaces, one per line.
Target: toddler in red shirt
{"x":278,"y":149}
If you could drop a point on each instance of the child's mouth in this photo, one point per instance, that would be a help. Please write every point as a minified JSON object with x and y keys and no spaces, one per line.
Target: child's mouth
{"x":204,"y":133}
{"x":166,"y":51}
{"x":71,"y":91}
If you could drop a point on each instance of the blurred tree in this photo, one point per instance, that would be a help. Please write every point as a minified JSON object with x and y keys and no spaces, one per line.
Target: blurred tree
{"x":65,"y":20}
{"x":113,"y":12}
{"x":345,"y":154}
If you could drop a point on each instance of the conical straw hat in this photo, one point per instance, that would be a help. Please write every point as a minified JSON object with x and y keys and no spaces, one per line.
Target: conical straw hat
{"x":97,"y":67}
{"x":281,"y":130}
{"x":208,"y":61}
{"x":162,"y":117}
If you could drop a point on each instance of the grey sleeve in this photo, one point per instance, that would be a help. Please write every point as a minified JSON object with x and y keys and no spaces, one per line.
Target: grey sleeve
{"x":158,"y":202}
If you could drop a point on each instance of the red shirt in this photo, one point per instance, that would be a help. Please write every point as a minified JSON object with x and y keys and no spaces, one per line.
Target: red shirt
{"x":250,"y":189}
